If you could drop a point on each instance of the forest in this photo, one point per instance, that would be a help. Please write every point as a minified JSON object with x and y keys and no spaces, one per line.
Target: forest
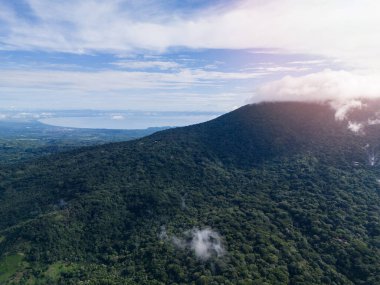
{"x":271,"y":193}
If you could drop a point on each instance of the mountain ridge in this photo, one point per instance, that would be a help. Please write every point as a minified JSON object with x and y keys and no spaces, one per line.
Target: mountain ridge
{"x":286,"y":187}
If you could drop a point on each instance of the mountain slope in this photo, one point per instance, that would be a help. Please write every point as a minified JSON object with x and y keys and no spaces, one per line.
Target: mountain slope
{"x":274,"y":193}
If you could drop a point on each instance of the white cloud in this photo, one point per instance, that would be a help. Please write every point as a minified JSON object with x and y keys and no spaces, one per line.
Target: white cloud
{"x":343,"y":90}
{"x":373,"y":122}
{"x":163,"y":65}
{"x":278,"y":69}
{"x":109,"y":80}
{"x":347,"y":30}
{"x":338,"y":86}
{"x":317,"y":62}
{"x":25,"y":115}
{"x":336,"y":31}
{"x":152,"y":99}
{"x":355,"y":127}
{"x":342,"y":109}
{"x":117,"y":117}
{"x":205,"y":243}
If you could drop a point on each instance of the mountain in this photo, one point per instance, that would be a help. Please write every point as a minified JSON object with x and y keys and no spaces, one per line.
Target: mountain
{"x":271,"y":193}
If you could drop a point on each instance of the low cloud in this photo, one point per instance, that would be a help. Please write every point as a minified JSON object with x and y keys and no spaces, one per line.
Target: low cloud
{"x":342,"y":109}
{"x":373,"y":121}
{"x":11,"y":115}
{"x":342,"y":89}
{"x":355,"y":127}
{"x":205,"y":243}
{"x":372,"y":155}
{"x":327,"y":85}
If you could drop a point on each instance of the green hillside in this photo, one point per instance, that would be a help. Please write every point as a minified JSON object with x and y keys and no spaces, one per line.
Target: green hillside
{"x":273,"y":193}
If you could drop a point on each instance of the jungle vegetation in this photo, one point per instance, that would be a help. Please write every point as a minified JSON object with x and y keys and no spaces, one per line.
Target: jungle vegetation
{"x":288,"y":189}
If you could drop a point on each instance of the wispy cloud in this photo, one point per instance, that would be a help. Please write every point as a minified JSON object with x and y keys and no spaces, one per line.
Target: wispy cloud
{"x":318,"y":62}
{"x":334,"y":29}
{"x":163,"y":65}
{"x":206,"y":243}
{"x":278,"y":69}
{"x":136,"y":38}
{"x":180,"y":89}
{"x":111,"y":80}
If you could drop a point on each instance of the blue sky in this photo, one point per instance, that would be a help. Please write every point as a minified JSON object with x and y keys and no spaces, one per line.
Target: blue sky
{"x":184,"y":55}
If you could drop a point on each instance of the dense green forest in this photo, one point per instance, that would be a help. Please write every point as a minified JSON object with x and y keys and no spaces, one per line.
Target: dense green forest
{"x":272,"y":193}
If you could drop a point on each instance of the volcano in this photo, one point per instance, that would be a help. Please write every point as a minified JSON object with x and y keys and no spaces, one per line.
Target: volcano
{"x":271,"y":193}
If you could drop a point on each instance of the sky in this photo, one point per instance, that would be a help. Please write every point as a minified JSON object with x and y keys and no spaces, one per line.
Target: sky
{"x":185,"y":55}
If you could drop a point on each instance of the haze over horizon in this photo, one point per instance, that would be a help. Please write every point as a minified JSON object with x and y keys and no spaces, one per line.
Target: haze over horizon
{"x":185,"y":55}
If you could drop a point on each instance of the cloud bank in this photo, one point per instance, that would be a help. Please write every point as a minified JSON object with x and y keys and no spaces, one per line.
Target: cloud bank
{"x":346,"y":30}
{"x":343,"y":90}
{"x":338,"y":86}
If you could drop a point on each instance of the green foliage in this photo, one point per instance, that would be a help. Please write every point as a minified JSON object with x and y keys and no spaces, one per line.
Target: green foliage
{"x":9,"y":265}
{"x":276,"y":181}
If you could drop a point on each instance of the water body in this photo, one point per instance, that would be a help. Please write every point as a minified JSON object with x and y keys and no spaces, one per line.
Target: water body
{"x":129,"y":121}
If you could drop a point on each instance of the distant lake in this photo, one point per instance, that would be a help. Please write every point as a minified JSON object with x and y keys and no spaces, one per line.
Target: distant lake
{"x":129,"y":121}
